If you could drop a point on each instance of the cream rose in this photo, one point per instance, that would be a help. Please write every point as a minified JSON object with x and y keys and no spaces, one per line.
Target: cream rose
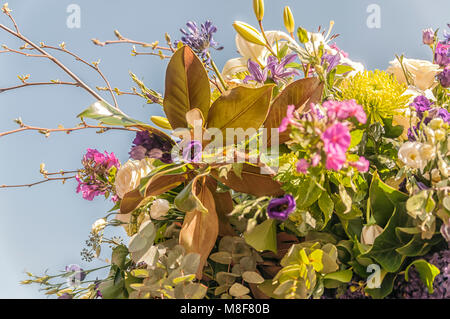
{"x":423,"y":72}
{"x":410,"y":154}
{"x":159,"y":208}
{"x":129,"y":175}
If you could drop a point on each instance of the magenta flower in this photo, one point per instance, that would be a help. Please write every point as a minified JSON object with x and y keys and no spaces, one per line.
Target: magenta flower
{"x":96,"y":178}
{"x":441,"y":56}
{"x":334,"y":46}
{"x":362,"y":165}
{"x":302,"y":166}
{"x":345,"y":109}
{"x":315,"y":160}
{"x":287,"y":120}
{"x":335,"y":161}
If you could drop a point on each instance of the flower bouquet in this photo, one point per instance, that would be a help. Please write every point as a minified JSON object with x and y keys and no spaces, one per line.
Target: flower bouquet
{"x":292,"y":173}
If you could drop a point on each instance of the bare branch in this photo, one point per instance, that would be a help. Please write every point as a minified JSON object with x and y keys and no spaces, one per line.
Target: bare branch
{"x":63,"y":179}
{"x":37,"y":83}
{"x":121,"y":40}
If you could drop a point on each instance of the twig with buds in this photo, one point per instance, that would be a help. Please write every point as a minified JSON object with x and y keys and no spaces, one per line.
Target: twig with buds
{"x":25,"y":84}
{"x":63,"y":179}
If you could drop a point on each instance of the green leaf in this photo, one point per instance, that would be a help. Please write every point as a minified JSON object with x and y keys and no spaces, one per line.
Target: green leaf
{"x":427,"y":273}
{"x":221,"y":257}
{"x":183,"y":279}
{"x":383,"y":200}
{"x":187,"y":200}
{"x":385,"y":289}
{"x":326,"y":205}
{"x":119,"y":255}
{"x":263,"y":237}
{"x":252,"y":277}
{"x":341,"y":276}
{"x":308,"y":192}
{"x":140,"y":273}
{"x":238,"y":290}
{"x":356,"y":136}
{"x":240,"y":108}
{"x":187,"y":87}
{"x":341,"y":69}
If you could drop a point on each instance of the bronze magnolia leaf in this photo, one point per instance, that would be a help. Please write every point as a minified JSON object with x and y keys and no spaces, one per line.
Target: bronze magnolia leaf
{"x":252,"y":182}
{"x":240,"y":107}
{"x":199,"y":231}
{"x":224,"y":206}
{"x":187,"y":87}
{"x":130,"y":201}
{"x":299,"y":93}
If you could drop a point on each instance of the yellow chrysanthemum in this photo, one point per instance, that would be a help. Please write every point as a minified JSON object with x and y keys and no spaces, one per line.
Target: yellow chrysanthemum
{"x":378,"y":92}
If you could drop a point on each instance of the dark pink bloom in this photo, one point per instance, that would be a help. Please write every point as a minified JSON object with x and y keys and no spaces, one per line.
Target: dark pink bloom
{"x":361,"y":165}
{"x":442,"y":54}
{"x":315,"y":160}
{"x":335,"y":161}
{"x":334,"y":46}
{"x":336,"y":141}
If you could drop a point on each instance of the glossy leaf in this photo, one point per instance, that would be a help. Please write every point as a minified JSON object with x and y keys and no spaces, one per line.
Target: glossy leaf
{"x":187,"y":87}
{"x":427,"y":272}
{"x":263,"y":236}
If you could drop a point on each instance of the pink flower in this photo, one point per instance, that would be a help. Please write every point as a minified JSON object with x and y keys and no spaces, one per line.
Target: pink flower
{"x":336,"y":141}
{"x":287,"y":120}
{"x":334,"y":46}
{"x":315,"y":160}
{"x":335,"y":161}
{"x":361,"y":165}
{"x":302,"y":166}
{"x":345,"y":109}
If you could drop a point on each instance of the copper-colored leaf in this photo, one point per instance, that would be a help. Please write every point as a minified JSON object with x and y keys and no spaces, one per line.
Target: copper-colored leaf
{"x":163,"y":183}
{"x":187,"y":87}
{"x":299,"y":93}
{"x":252,"y":182}
{"x":224,"y":206}
{"x":200,"y":230}
{"x":240,"y":107}
{"x":130,"y":201}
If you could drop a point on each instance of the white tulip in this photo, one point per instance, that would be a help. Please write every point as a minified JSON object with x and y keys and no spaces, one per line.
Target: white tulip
{"x":159,"y":208}
{"x":129,"y":175}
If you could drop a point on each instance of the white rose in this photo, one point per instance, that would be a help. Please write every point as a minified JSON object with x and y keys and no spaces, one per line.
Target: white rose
{"x":99,"y":225}
{"x":409,"y":154}
{"x":370,"y":233}
{"x":423,"y":72}
{"x":129,"y":175}
{"x":159,"y":208}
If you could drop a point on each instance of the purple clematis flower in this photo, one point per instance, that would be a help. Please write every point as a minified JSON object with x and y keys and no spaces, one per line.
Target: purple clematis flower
{"x":281,"y":208}
{"x":278,"y":70}
{"x":332,"y":60}
{"x":256,"y":73}
{"x":200,"y":39}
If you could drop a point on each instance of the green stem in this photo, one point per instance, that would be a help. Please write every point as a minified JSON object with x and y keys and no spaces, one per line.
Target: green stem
{"x":267,"y":41}
{"x":216,"y":70}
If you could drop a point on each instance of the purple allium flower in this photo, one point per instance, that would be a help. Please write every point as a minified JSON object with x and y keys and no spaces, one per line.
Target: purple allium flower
{"x":281,"y":208}
{"x":415,"y":289}
{"x":441,"y":56}
{"x":278,"y":70}
{"x":200,"y":39}
{"x":193,"y":152}
{"x":428,"y":36}
{"x":150,"y":145}
{"x":332,"y":60}
{"x":94,"y":179}
{"x":444,"y":77}
{"x":256,"y":73}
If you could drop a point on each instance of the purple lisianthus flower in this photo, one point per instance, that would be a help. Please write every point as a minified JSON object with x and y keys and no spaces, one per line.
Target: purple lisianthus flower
{"x":441,"y":55}
{"x":428,"y":36}
{"x":422,"y":104}
{"x":281,"y":208}
{"x":65,"y":296}
{"x":200,"y":39}
{"x":150,"y":145}
{"x":278,"y":70}
{"x":256,"y":73}
{"x":444,"y":77}
{"x":193,"y":152}
{"x":438,"y":112}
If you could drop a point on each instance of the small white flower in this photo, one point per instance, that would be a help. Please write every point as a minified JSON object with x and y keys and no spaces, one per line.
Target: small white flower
{"x":159,"y":208}
{"x":427,"y":152}
{"x":409,"y":153}
{"x":99,"y":225}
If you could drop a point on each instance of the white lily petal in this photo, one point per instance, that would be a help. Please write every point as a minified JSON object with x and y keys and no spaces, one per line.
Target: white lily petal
{"x":234,"y":66}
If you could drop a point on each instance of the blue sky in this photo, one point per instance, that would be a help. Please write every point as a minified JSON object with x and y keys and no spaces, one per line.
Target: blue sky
{"x":44,"y":227}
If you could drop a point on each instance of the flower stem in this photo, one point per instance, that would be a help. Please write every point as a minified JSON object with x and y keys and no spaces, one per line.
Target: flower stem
{"x":216,"y":70}
{"x":267,"y":41}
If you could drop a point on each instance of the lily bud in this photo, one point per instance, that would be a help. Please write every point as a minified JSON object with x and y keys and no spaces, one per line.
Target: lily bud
{"x":249,"y":33}
{"x":258,"y":7}
{"x":161,"y":122}
{"x":289,"y":22}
